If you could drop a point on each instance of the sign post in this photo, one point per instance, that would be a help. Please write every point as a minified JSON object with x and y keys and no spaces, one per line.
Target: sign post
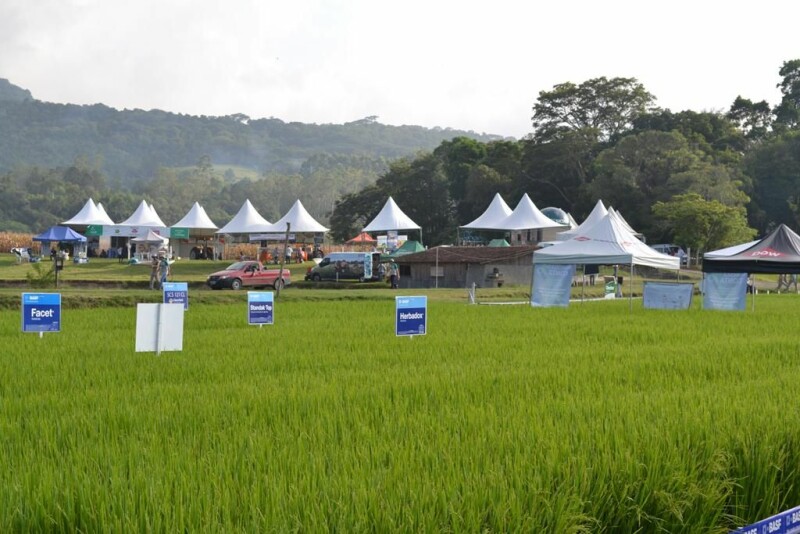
{"x":176,"y":293}
{"x":260,"y":308}
{"x":411,"y":316}
{"x":41,"y":312}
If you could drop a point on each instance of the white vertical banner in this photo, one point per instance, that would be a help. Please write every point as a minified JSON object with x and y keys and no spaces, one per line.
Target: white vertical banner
{"x":551,"y":285}
{"x":159,"y":327}
{"x":725,"y":291}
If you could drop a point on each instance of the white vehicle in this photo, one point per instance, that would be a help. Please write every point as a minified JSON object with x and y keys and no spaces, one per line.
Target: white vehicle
{"x":672,"y":250}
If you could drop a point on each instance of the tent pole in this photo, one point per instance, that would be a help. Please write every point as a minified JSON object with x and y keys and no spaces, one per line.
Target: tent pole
{"x":703,"y":292}
{"x":583,"y":284}
{"x":533,"y":275}
{"x":630,"y":291}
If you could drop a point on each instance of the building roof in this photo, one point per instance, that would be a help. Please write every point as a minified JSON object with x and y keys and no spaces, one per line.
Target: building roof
{"x":479,"y":255}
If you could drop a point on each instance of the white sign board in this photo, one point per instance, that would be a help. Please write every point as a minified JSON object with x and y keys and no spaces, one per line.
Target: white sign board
{"x":159,"y":327}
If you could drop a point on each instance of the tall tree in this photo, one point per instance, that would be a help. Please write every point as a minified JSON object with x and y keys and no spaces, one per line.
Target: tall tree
{"x":787,"y":113}
{"x":753,"y":119}
{"x":774,"y":167}
{"x":703,"y":224}
{"x":608,"y":106}
{"x":458,"y":157}
{"x":635,"y":173}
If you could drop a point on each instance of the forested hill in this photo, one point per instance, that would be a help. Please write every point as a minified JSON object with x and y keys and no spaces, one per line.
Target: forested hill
{"x":132,"y":144}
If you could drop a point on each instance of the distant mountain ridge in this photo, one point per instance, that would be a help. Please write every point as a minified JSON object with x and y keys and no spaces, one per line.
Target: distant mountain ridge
{"x":13,"y":93}
{"x":133,"y":144}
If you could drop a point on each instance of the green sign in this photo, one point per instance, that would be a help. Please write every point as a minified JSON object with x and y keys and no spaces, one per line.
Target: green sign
{"x":94,"y":230}
{"x":179,"y":233}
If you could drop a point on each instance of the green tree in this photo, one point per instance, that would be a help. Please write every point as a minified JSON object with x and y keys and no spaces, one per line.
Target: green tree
{"x":458,"y":157}
{"x":787,"y":112}
{"x":635,"y":173}
{"x":608,"y":106}
{"x":754,"y":119}
{"x":702,"y":224}
{"x":774,"y":167}
{"x":556,"y":173}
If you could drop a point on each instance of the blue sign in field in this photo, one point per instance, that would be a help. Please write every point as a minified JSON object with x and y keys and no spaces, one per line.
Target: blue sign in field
{"x":787,"y":522}
{"x":41,"y":312}
{"x":176,"y":293}
{"x":260,"y":307}
{"x":411,"y":316}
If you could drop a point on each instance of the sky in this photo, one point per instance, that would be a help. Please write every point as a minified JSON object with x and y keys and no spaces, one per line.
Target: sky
{"x":465,"y":64}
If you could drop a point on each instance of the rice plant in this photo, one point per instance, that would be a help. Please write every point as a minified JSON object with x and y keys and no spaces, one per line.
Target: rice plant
{"x":501,"y":418}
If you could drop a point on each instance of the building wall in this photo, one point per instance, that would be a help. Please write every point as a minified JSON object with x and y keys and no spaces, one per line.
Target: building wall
{"x":457,"y":275}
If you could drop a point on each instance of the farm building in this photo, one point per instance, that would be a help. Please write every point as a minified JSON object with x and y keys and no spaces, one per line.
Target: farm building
{"x":462,"y":266}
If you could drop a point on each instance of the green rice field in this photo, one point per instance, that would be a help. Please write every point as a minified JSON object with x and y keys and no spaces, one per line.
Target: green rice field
{"x":592,"y":418}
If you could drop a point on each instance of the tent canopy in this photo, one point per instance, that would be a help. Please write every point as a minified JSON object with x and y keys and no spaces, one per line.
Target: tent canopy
{"x":730,"y":251}
{"x":299,"y":220}
{"x":90,"y":213}
{"x":60,"y":234}
{"x":526,"y":216}
{"x":391,"y":217}
{"x":498,"y":243}
{"x":409,"y":247}
{"x":606,"y":243}
{"x":497,"y":212}
{"x":247,"y":220}
{"x":196,"y":219}
{"x":150,"y":238}
{"x":363,"y":237}
{"x":778,"y":253}
{"x":145,"y":215}
{"x":598,"y":212}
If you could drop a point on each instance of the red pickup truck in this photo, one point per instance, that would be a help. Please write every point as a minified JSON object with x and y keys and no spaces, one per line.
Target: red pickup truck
{"x":248,"y":274}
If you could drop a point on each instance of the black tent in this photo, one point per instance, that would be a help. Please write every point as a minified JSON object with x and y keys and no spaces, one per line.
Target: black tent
{"x":778,"y":253}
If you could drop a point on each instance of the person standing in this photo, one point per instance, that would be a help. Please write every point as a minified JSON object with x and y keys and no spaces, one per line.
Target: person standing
{"x":394,"y":274}
{"x":164,"y":266}
{"x":155,"y":266}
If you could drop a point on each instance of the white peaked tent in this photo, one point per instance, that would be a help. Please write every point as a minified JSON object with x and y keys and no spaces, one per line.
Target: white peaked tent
{"x":391,"y":217}
{"x":606,"y":243}
{"x":196,"y":219}
{"x":89,"y":214}
{"x":495,"y":214}
{"x":145,"y":215}
{"x":247,"y":220}
{"x":151,"y":238}
{"x":526,"y":216}
{"x":299,"y":221}
{"x":624,"y":223}
{"x":103,"y":213}
{"x":598,"y":212}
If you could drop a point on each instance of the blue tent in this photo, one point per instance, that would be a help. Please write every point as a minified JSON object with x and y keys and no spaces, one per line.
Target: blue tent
{"x":60,"y":234}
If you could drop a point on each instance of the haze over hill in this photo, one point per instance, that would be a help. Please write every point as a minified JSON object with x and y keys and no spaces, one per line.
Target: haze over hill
{"x":130,"y":145}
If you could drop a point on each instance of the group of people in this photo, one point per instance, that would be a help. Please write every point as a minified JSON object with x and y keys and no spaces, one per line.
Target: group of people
{"x":159,"y":271}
